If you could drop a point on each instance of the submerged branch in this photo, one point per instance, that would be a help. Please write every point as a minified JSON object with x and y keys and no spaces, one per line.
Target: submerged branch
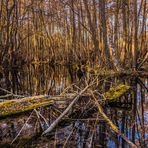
{"x":111,"y":124}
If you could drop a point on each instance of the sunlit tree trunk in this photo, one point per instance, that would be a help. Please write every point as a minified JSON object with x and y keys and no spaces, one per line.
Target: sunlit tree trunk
{"x":104,"y":30}
{"x":73,"y":26}
{"x":135,"y":36}
{"x":92,"y":28}
{"x":124,"y":5}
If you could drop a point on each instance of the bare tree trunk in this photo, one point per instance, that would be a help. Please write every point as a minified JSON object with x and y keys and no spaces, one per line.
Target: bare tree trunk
{"x":73,"y":26}
{"x":92,"y":28}
{"x":135,"y":36}
{"x":104,"y":30}
{"x":124,"y":29}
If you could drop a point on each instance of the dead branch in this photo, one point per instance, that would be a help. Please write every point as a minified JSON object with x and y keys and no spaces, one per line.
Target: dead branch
{"x":21,"y":128}
{"x":111,"y":124}
{"x":55,"y":123}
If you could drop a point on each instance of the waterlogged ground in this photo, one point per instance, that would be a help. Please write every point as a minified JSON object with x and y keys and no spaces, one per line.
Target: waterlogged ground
{"x":24,"y":130}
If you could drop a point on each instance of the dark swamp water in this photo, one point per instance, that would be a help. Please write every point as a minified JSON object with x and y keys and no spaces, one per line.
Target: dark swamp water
{"x":90,"y":132}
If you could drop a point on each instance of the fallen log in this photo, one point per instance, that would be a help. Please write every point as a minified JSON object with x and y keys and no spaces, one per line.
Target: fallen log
{"x":55,"y":123}
{"x":114,"y":92}
{"x":17,"y":106}
{"x":110,"y":123}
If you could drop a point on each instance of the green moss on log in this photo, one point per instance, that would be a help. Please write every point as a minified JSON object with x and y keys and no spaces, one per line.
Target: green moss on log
{"x":115,"y":92}
{"x":26,"y":104}
{"x":22,"y":105}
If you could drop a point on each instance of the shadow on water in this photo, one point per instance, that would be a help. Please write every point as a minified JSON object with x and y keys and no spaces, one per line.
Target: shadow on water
{"x":131,"y":118}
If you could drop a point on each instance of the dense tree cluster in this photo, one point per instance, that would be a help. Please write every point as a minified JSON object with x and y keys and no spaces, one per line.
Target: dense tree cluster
{"x":111,"y":33}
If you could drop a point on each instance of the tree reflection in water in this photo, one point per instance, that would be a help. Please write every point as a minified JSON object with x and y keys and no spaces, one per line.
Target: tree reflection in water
{"x":131,"y":119}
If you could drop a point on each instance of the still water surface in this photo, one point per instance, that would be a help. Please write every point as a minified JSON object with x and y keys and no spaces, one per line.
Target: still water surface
{"x":86,"y":133}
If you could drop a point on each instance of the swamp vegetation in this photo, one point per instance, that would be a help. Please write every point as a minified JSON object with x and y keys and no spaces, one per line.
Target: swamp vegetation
{"x":74,"y":73}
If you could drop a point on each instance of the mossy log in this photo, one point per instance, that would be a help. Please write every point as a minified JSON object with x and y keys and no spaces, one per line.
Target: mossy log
{"x":107,"y":72}
{"x":116,"y":92}
{"x":21,"y":105}
{"x":17,"y":106}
